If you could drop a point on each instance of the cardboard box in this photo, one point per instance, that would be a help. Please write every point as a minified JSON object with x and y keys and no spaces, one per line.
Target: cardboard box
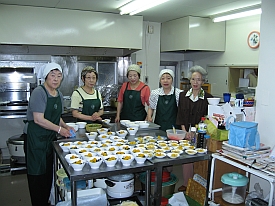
{"x":213,"y":145}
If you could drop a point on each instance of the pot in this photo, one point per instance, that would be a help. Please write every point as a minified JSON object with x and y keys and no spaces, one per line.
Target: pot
{"x":16,"y":148}
{"x":120,"y":186}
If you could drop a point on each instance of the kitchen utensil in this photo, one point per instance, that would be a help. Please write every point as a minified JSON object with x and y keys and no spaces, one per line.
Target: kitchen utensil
{"x":174,"y":130}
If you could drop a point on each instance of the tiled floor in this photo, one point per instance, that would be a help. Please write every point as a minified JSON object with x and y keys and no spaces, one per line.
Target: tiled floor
{"x":14,"y":188}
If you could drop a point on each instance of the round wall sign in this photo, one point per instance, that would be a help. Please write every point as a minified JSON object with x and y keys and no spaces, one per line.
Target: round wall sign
{"x":253,"y":39}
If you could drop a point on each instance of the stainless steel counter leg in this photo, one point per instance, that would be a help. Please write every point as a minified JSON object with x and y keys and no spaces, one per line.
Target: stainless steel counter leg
{"x":158,"y":186}
{"x":73,"y":193}
{"x":55,"y":166}
{"x":211,"y":179}
{"x":148,"y":188}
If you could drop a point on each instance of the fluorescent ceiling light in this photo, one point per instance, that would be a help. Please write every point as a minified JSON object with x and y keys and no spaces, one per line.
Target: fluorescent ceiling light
{"x":138,"y":6}
{"x":243,"y":12}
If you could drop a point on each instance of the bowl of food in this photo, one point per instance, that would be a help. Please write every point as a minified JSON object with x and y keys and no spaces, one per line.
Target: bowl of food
{"x":103,"y":137}
{"x":160,"y":154}
{"x":65,"y":146}
{"x":136,"y":150}
{"x":91,"y":135}
{"x":70,"y":158}
{"x":213,"y":101}
{"x":173,"y":155}
{"x":105,"y":153}
{"x":73,"y":149}
{"x":176,"y":134}
{"x":140,"y":157}
{"x":127,"y":159}
{"x":111,"y":160}
{"x":95,"y":162}
{"x":81,"y":125}
{"x":87,"y":155}
{"x":111,"y":133}
{"x":191,"y":151}
{"x":93,"y":127}
{"x":120,"y":153}
{"x":78,"y":164}
{"x":121,"y":133}
{"x":132,"y":130}
{"x":102,"y":130}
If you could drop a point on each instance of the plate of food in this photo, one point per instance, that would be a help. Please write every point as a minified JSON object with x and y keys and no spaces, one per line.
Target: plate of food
{"x":201,"y":150}
{"x":173,"y":155}
{"x":191,"y":152}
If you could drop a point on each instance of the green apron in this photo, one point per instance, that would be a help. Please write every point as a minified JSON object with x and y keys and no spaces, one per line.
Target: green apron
{"x":166,"y":111}
{"x":133,"y":109}
{"x":90,"y":106}
{"x":39,"y":139}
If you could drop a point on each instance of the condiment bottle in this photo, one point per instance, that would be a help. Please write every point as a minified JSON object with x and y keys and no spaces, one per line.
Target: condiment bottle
{"x":202,"y":128}
{"x":193,"y":139}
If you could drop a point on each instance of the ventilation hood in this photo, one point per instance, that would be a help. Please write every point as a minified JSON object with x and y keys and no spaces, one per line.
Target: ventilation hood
{"x":12,"y":49}
{"x":192,"y":34}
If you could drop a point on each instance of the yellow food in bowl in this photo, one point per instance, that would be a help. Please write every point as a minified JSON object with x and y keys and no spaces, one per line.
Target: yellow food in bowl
{"x":66,"y":144}
{"x":78,"y":162}
{"x":141,"y":155}
{"x":94,"y":160}
{"x":89,"y":155}
{"x":111,"y":159}
{"x":73,"y":157}
{"x":127,"y":158}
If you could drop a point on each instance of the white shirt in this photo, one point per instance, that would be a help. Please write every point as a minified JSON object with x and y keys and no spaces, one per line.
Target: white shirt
{"x":154,"y":96}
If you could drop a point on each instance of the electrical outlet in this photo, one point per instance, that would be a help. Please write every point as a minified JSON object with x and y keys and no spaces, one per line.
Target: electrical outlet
{"x":150,"y":29}
{"x":146,"y":79}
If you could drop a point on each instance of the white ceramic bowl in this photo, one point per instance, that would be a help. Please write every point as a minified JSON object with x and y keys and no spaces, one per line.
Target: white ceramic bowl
{"x":144,"y":125}
{"x":80,"y":143}
{"x":111,"y":160}
{"x":107,"y":121}
{"x":111,"y":133}
{"x":136,"y":150}
{"x":71,"y":157}
{"x":105,"y":153}
{"x":73,"y":149}
{"x":103,"y":137}
{"x":112,"y":149}
{"x":78,"y":164}
{"x":87,"y":155}
{"x":132,"y":130}
{"x":126,"y":147}
{"x":134,"y":125}
{"x":81,"y":125}
{"x":127,"y":159}
{"x":65,"y":146}
{"x":140,"y":157}
{"x":102,"y":130}
{"x":91,"y":135}
{"x":160,"y":154}
{"x":120,"y":153}
{"x":213,"y":100}
{"x":121,"y":133}
{"x":81,"y":150}
{"x":124,"y":122}
{"x":95,"y":162}
{"x":74,"y":125}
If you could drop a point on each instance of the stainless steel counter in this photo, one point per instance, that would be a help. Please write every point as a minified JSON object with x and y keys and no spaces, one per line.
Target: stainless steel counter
{"x":104,"y":171}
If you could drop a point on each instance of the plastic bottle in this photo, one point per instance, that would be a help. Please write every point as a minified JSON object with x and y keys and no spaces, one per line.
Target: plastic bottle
{"x":193,"y":140}
{"x":202,"y":128}
{"x":205,"y":143}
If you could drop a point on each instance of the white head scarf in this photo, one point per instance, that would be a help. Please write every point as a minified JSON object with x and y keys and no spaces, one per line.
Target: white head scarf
{"x":49,"y":67}
{"x":166,"y":71}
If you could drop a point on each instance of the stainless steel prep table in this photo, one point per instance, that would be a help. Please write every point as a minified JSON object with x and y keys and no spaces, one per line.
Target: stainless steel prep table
{"x":153,"y":164}
{"x":103,"y":171}
{"x":182,"y":159}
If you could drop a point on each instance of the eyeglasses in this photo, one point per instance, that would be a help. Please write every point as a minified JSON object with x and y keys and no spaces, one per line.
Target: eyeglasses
{"x":195,"y":80}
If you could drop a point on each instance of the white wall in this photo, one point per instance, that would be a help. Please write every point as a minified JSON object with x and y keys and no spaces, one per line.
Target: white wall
{"x":149,"y":56}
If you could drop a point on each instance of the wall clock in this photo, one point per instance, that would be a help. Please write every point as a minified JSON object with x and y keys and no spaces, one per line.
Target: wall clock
{"x":253,"y":39}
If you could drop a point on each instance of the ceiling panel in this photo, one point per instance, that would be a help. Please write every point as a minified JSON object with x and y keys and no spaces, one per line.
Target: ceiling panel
{"x":170,"y":10}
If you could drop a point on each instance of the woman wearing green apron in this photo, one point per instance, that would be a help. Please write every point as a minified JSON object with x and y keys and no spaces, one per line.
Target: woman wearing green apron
{"x":164,"y":101}
{"x":44,"y":122}
{"x":86,"y":101}
{"x":132,"y":97}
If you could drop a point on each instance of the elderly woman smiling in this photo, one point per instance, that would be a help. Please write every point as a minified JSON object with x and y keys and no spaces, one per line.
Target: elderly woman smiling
{"x":192,"y":106}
